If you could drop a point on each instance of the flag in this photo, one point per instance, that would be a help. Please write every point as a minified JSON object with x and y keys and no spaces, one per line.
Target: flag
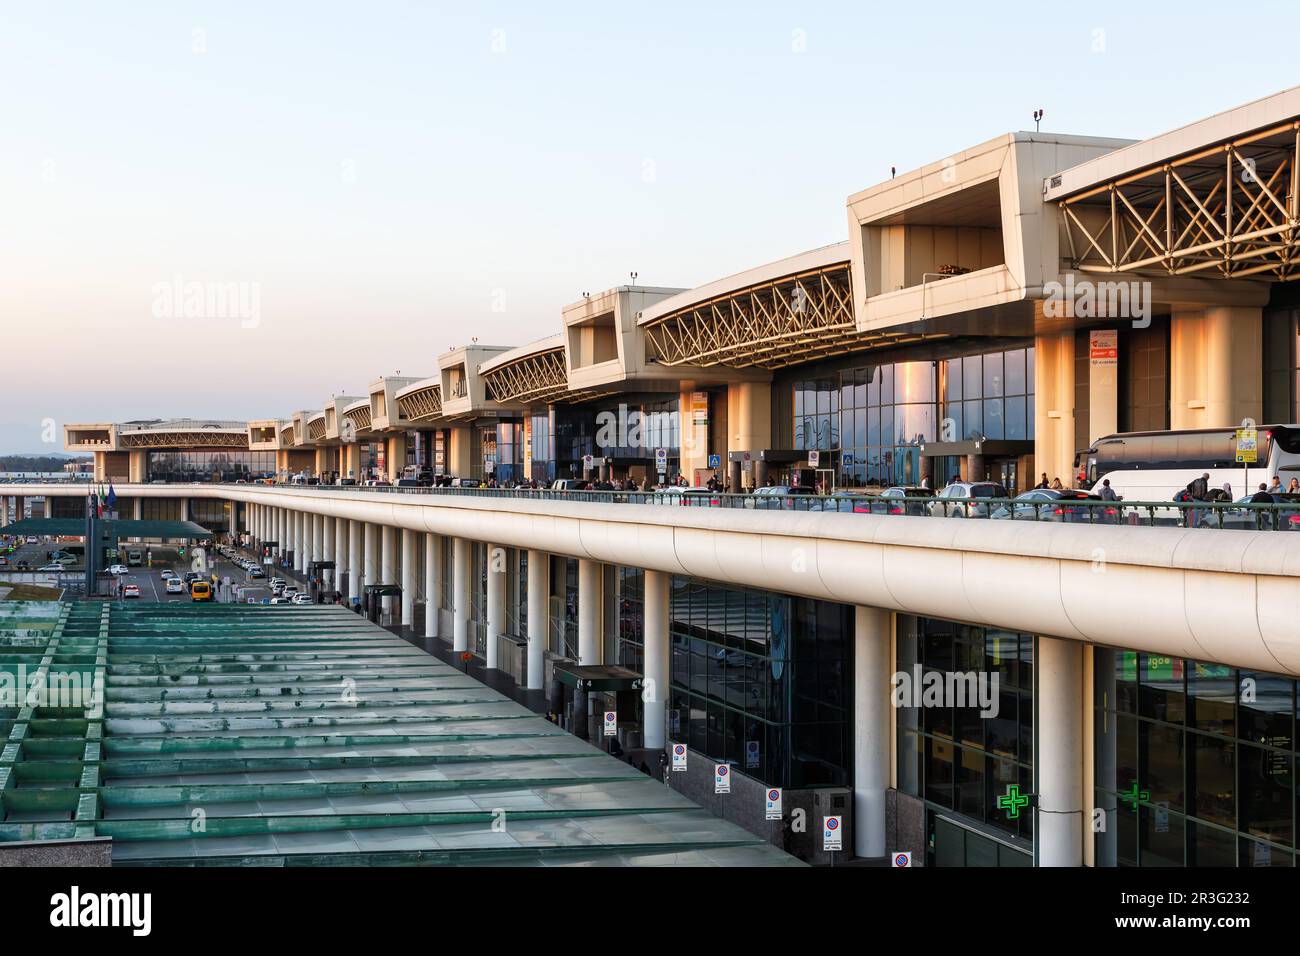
{"x":112,"y":497}
{"x":99,"y":510}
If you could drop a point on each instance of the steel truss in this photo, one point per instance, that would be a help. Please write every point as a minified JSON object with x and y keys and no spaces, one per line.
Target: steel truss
{"x":1227,"y":211}
{"x":419,"y":405}
{"x":536,"y":378}
{"x":183,"y":439}
{"x":772,"y":324}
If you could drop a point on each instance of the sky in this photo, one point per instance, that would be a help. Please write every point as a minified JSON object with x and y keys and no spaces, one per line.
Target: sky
{"x":373,"y":183}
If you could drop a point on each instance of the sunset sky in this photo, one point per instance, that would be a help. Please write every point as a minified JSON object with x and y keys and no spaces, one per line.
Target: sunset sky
{"x":375,"y":177}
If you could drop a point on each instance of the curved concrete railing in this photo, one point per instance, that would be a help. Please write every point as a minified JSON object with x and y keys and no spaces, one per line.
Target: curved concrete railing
{"x":1232,"y":598}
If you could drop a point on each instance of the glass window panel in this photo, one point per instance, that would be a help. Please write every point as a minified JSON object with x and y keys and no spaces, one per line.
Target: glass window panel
{"x":972,"y":377}
{"x":1160,"y":753}
{"x":1267,"y":782}
{"x":1266,"y":711}
{"x":1211,"y":779}
{"x":973,"y":416}
{"x":994,"y":426}
{"x":1015,"y":372}
{"x":994,"y":384}
{"x":1207,"y":846}
{"x":1161,"y":837}
{"x":1016,"y":428}
{"x":1162,"y":694}
{"x":1211,"y":696}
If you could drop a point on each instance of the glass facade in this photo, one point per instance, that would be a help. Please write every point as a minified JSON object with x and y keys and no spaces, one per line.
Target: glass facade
{"x":954,"y":758}
{"x":758,"y":679}
{"x":873,"y":419}
{"x":1281,"y":365}
{"x":1195,"y":763}
{"x":215,"y":465}
{"x":509,"y":464}
{"x":210,"y":513}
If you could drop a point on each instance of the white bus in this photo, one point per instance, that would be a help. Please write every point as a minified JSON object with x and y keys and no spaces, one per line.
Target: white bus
{"x":1154,"y":466}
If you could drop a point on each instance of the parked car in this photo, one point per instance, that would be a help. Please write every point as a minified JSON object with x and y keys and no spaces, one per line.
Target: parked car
{"x":1285,"y":519}
{"x":1050,"y":504}
{"x":52,"y":567}
{"x":570,"y":484}
{"x":964,"y":499}
{"x":782,"y":497}
{"x":256,"y":572}
{"x":696,"y":497}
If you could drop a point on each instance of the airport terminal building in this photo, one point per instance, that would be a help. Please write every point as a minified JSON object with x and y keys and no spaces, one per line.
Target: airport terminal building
{"x":990,"y":317}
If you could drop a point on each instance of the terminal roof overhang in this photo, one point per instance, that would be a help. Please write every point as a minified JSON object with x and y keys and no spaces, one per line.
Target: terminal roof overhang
{"x":76,"y":527}
{"x":1214,"y":199}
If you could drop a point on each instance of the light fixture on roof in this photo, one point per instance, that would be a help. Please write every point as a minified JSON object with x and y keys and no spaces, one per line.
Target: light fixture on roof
{"x":892,"y":172}
{"x":1038,"y":118}
{"x":634,"y":278}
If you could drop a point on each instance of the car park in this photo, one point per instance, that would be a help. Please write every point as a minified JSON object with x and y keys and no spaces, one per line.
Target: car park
{"x":966,"y":499}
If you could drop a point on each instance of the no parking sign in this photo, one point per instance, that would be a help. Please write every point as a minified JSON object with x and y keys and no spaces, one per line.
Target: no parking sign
{"x":611,"y":723}
{"x":902,"y":858}
{"x":679,"y":757}
{"x":833,"y":833}
{"x":721,"y":778}
{"x":774,"y":803}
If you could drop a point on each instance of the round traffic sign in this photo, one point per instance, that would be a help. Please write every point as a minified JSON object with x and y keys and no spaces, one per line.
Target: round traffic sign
{"x":679,"y":748}
{"x":832,"y":824}
{"x":722,"y":770}
{"x":900,"y":860}
{"x":773,"y":795}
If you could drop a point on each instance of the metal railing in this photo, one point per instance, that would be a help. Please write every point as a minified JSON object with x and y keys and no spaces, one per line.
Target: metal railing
{"x":1282,"y":516}
{"x":1238,"y":515}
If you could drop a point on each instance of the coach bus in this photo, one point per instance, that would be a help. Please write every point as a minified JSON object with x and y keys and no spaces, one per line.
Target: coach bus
{"x":1154,"y":466}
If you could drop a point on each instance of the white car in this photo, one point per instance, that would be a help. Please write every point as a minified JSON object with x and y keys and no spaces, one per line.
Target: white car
{"x":175,"y":585}
{"x":118,"y":569}
{"x":301,"y":599}
{"x":52,"y":567}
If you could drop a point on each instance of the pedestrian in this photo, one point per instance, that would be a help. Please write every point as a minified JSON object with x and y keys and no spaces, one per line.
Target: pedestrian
{"x":925,"y":482}
{"x":1043,"y":483}
{"x":1198,"y":489}
{"x":1275,"y":487}
{"x":1294,"y":487}
{"x":1056,"y":484}
{"x":1263,"y":516}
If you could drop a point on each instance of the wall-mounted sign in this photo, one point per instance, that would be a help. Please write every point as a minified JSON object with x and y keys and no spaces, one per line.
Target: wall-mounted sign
{"x":1103,"y":347}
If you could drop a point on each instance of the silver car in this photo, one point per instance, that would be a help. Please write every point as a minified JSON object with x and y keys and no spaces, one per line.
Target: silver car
{"x":966,"y":499}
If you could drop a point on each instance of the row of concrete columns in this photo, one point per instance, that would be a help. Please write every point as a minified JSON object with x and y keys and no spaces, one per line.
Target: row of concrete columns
{"x":370,"y":554}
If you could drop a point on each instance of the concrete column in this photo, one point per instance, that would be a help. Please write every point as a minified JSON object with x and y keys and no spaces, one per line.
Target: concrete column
{"x":1058,"y":764}
{"x":655,"y":696}
{"x":589,"y":611}
{"x":497,"y":575}
{"x":370,"y":558}
{"x":281,"y":532}
{"x":460,"y":597}
{"x":462,"y":457}
{"x":137,"y":508}
{"x":871,"y":729}
{"x":340,"y":551}
{"x":395,"y":455}
{"x":185,"y":509}
{"x":49,"y":507}
{"x":539,"y":566}
{"x":408,"y":577}
{"x":326,"y":552}
{"x":355,"y":555}
{"x":1215,"y":366}
{"x":1053,"y":406}
{"x":388,"y":562}
{"x":317,"y":537}
{"x":432,"y":583}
